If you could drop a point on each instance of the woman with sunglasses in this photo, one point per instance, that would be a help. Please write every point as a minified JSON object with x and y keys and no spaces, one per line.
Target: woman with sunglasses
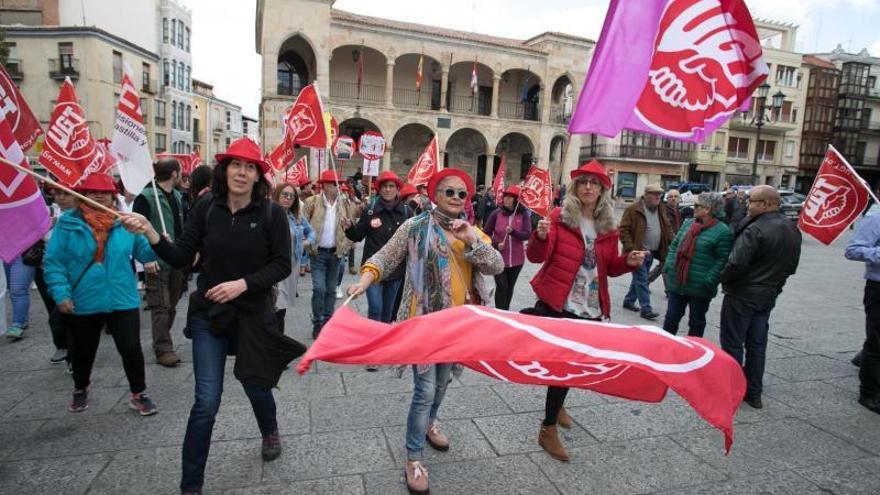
{"x":693,"y":266}
{"x":578,"y":246}
{"x":87,"y":267}
{"x":435,"y":247}
{"x":301,"y":238}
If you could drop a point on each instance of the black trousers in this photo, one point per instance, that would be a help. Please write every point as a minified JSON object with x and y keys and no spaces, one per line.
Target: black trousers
{"x":869,"y":373}
{"x":56,"y":325}
{"x":279,"y":317}
{"x":84,"y":335}
{"x":504,"y":283}
{"x":555,"y":395}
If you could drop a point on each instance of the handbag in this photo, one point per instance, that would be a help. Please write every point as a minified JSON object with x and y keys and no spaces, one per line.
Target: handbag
{"x":33,"y":256}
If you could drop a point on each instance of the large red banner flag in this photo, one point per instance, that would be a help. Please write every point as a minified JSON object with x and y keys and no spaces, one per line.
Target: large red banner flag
{"x":836,"y":200}
{"x":69,"y":150}
{"x":536,"y":192}
{"x":298,"y":172}
{"x":632,"y":362}
{"x":498,"y":182}
{"x":304,"y":122}
{"x":18,"y":115}
{"x":676,"y":68}
{"x":24,"y":218}
{"x":427,"y":165}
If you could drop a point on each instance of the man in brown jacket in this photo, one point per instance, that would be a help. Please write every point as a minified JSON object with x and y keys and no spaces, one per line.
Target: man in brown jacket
{"x":644,"y":227}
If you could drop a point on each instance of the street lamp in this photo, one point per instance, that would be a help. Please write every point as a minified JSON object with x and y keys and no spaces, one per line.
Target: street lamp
{"x":760,"y":107}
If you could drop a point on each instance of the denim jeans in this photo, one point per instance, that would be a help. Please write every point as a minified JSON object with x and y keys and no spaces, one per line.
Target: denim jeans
{"x":430,"y":387}
{"x":696,"y":306}
{"x":325,"y":270}
{"x":209,"y":360}
{"x":638,"y":288}
{"x":745,"y":324}
{"x":380,"y":300}
{"x":19,"y":276}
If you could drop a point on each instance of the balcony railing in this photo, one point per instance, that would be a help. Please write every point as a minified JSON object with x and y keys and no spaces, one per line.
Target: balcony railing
{"x":349,"y":91}
{"x":635,"y":151}
{"x":467,"y":104}
{"x":523,"y":110}
{"x":285,"y":90}
{"x":413,"y":99}
{"x":873,"y":92}
{"x":150,"y":86}
{"x":559,"y":114}
{"x":160,"y":121}
{"x":59,"y":68}
{"x":13,"y":68}
{"x":865,"y":161}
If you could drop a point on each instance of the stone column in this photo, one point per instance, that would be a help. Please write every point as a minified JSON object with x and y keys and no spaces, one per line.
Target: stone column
{"x":389,"y":84}
{"x":386,"y":159}
{"x":496,"y":84}
{"x":490,"y":162}
{"x":545,"y":105}
{"x":444,"y":85}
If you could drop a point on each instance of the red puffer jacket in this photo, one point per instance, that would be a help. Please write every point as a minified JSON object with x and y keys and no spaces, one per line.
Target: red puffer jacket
{"x":562,"y":254}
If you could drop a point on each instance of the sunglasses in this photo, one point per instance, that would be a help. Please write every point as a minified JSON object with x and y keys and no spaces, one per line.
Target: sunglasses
{"x":287,"y":195}
{"x":451,"y":193}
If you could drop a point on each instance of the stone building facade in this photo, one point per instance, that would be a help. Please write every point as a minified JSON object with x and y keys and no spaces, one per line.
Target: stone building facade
{"x":218,"y":121}
{"x":519,"y":109}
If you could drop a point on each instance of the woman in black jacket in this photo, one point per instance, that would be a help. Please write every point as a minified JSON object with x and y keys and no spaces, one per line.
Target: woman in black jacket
{"x":377,"y":224}
{"x":244,"y":243}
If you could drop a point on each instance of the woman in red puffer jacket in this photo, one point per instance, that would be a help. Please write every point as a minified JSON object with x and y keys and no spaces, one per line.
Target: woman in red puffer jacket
{"x":578,"y":246}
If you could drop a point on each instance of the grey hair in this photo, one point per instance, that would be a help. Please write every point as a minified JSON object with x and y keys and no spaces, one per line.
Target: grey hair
{"x":715,"y":202}
{"x":603,"y":214}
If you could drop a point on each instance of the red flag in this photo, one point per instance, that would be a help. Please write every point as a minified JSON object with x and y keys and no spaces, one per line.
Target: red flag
{"x":498,"y":183}
{"x":298,"y":172}
{"x":633,"y":362}
{"x":836,"y":199}
{"x":24,"y":218}
{"x":427,"y":165}
{"x":535,"y":192}
{"x":304,"y":122}
{"x":69,"y":150}
{"x":195,"y":160}
{"x":281,"y":155}
{"x":419,"y":73}
{"x":107,"y":161}
{"x":18,"y":115}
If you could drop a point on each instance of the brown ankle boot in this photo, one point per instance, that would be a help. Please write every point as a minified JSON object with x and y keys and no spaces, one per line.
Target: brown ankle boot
{"x":549,"y":440}
{"x":564,"y":420}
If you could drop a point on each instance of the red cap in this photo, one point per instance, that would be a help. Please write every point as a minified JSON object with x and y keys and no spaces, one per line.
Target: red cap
{"x":245,"y":149}
{"x":593,"y":168}
{"x":408,"y":190}
{"x":511,"y":190}
{"x":304,"y":182}
{"x":344,"y":187}
{"x":450,"y":172}
{"x":97,"y":182}
{"x":330,"y":176}
{"x":387,"y":176}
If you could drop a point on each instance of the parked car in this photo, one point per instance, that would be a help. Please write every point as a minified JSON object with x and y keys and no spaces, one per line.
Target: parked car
{"x":792,"y":204}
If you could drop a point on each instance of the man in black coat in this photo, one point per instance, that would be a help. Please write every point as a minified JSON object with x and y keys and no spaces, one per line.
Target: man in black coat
{"x":766,"y":252}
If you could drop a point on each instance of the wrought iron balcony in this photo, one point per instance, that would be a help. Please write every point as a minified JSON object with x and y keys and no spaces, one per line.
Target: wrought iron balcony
{"x":635,"y":152}
{"x":414,"y":99}
{"x":64,"y":66}
{"x":13,"y":68}
{"x":522,"y":110}
{"x":350,"y":91}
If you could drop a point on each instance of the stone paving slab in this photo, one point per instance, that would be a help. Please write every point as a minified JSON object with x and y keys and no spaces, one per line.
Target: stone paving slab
{"x":779,"y":483}
{"x":852,"y":478}
{"x":62,"y":474}
{"x":518,"y":433}
{"x":466,"y":442}
{"x":343,"y":485}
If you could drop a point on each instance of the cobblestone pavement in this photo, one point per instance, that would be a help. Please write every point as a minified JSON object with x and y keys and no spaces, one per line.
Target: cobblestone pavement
{"x":343,"y":428}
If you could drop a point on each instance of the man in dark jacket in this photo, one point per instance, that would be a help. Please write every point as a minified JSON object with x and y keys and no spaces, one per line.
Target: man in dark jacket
{"x":736,"y":208}
{"x":644,"y":227}
{"x":377,"y":224}
{"x":675,"y":220}
{"x":484,"y":204}
{"x":765,"y":253}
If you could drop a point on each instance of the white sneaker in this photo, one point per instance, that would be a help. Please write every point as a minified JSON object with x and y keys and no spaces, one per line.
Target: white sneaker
{"x":338,"y":293}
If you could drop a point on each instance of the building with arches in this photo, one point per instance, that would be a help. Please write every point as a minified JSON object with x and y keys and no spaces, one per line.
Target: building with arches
{"x":410,"y":81}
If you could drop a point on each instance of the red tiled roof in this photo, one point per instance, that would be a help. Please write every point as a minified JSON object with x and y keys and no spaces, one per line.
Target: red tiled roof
{"x":818,"y":62}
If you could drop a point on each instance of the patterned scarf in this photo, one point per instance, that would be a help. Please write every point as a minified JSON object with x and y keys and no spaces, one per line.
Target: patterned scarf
{"x":429,"y":266}
{"x":100,"y":223}
{"x":688,"y":247}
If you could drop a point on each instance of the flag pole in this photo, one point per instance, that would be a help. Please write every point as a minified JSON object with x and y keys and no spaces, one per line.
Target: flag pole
{"x":159,"y":206}
{"x":70,"y":191}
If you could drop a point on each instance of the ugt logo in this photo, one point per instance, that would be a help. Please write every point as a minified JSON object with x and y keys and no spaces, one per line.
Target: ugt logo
{"x":69,"y":136}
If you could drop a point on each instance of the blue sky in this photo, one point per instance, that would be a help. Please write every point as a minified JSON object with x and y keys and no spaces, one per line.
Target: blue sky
{"x":823,"y":24}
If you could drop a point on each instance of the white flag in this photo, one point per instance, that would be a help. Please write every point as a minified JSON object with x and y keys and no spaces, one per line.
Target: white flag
{"x":129,"y":145}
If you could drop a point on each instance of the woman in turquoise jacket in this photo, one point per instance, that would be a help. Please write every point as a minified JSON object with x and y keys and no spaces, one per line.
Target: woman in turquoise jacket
{"x":88,"y":272}
{"x":694,"y":263}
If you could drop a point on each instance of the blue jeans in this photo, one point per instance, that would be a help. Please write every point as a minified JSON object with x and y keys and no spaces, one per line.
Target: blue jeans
{"x":209,"y":360}
{"x":638,"y":288}
{"x":325,"y":270}
{"x":19,"y":277}
{"x":697,"y":307}
{"x":430,"y":387}
{"x":380,"y":300}
{"x":746,"y":325}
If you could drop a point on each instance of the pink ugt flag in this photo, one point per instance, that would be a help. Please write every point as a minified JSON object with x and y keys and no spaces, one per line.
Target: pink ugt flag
{"x":675,"y":68}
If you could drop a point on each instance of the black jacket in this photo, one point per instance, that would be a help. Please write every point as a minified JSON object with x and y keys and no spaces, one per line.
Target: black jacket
{"x":377,"y":224}
{"x":766,"y":252}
